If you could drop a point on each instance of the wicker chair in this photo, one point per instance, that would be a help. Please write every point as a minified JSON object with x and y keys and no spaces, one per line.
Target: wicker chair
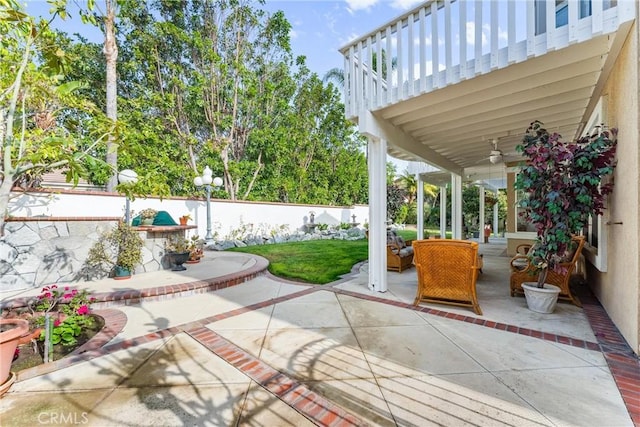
{"x":447,"y":272}
{"x":399,"y":253}
{"x":523,"y":271}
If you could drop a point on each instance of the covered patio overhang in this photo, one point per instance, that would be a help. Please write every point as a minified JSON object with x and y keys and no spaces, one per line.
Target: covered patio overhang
{"x":466,"y":119}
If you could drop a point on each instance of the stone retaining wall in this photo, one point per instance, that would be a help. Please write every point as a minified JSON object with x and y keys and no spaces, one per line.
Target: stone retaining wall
{"x":37,"y":252}
{"x":40,"y":251}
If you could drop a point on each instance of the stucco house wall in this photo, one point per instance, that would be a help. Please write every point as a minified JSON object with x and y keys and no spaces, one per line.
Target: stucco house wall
{"x":619,"y":288}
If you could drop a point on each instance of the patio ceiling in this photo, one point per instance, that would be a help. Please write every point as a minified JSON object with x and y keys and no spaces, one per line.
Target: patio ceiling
{"x":456,"y":124}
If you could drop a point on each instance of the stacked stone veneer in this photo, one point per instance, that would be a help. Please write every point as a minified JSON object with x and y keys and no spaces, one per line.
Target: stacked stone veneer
{"x":37,"y":252}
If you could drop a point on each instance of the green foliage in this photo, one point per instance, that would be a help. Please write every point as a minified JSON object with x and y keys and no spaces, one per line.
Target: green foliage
{"x":72,"y":304}
{"x":564,"y":184}
{"x":221,"y":88}
{"x":121,"y":246}
{"x":177,"y":244}
{"x":396,"y":197}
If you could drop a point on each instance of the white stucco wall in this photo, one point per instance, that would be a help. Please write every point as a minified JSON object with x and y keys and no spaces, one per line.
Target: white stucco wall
{"x":619,"y":288}
{"x":226,"y":216}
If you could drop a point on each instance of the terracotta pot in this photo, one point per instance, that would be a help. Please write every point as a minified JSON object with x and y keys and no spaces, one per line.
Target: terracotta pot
{"x":11,"y":331}
{"x":183,"y":220}
{"x":30,"y":336}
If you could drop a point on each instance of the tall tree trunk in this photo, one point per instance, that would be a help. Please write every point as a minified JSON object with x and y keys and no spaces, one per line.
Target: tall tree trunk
{"x":111,"y":56}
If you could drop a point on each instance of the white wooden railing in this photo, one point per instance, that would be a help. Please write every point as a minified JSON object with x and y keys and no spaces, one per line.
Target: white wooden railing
{"x":497,"y":34}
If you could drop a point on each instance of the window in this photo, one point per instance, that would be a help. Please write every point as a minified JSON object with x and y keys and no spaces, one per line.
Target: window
{"x":596,"y":232}
{"x":562,"y":12}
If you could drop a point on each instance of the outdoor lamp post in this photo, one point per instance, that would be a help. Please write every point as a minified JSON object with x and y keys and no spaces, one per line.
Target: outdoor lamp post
{"x":127,"y":176}
{"x":207,"y":179}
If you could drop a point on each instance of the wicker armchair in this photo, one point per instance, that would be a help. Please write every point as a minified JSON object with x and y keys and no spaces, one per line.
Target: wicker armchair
{"x":523,"y":271}
{"x":399,"y":253}
{"x":447,"y":272}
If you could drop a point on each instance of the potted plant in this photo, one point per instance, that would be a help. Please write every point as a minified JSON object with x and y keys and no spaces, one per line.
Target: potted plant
{"x":563,"y":186}
{"x":117,"y":251}
{"x":147,"y":215}
{"x":177,"y":252}
{"x":10,"y":332}
{"x":195,"y":249}
{"x":184,"y":219}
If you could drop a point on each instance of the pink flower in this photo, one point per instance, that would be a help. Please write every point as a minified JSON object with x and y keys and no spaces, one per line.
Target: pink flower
{"x":67,"y":296}
{"x":83,"y":309}
{"x":56,"y":323}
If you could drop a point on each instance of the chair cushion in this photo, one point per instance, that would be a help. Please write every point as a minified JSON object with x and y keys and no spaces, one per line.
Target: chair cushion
{"x":400,"y":241}
{"x":520,"y":263}
{"x":404,"y":252}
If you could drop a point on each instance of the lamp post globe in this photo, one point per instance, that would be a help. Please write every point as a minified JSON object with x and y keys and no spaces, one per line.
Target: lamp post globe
{"x":206,"y":180}
{"x":127,"y":176}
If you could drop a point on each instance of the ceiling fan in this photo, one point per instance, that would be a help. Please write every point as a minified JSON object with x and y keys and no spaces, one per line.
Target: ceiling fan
{"x":495,"y":156}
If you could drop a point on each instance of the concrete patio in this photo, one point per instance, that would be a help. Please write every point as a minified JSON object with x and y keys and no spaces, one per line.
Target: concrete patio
{"x":263,"y":351}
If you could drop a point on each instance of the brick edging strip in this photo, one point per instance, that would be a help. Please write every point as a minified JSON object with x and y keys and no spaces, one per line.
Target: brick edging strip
{"x":136,"y":296}
{"x":560,"y":339}
{"x":295,"y":394}
{"x":623,"y":363}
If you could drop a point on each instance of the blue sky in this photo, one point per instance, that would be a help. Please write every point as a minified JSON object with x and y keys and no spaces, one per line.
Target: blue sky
{"x":319,"y":27}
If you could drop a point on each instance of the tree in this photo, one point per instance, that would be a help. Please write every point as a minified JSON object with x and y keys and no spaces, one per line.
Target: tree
{"x":37,"y":129}
{"x":111,"y":58}
{"x":335,"y":75}
{"x":408,"y":182}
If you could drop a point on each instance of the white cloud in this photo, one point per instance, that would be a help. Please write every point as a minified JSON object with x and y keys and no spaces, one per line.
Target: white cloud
{"x":293,"y":34}
{"x":471,"y":34}
{"x":353,"y":5}
{"x":404,"y":4}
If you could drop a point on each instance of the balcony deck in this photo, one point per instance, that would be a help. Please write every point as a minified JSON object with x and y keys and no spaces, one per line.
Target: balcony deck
{"x":517,"y":65}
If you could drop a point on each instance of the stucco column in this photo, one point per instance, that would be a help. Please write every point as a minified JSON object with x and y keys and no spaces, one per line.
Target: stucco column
{"x":443,"y":212}
{"x":420,"y":203}
{"x":456,"y":206}
{"x":495,"y":217}
{"x":481,"y":213}
{"x":377,"y":214}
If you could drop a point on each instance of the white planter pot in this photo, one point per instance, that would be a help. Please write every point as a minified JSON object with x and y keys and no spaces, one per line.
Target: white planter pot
{"x":541,"y":300}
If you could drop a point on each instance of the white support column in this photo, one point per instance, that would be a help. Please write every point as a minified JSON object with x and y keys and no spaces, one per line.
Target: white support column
{"x":495,"y":217}
{"x":456,"y":206}
{"x":481,"y":213}
{"x":443,"y":212}
{"x":420,"y":204}
{"x":377,"y":214}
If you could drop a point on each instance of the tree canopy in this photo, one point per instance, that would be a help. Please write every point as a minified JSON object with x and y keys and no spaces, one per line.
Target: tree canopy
{"x":212,"y":83}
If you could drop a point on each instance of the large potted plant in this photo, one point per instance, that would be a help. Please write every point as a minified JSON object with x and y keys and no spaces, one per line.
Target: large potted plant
{"x":10,"y":332}
{"x":564,"y":184}
{"x":177,"y":252}
{"x":118,"y":251}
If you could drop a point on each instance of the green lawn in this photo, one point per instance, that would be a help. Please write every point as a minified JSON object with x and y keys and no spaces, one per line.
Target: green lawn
{"x":317,"y":261}
{"x":312,"y":261}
